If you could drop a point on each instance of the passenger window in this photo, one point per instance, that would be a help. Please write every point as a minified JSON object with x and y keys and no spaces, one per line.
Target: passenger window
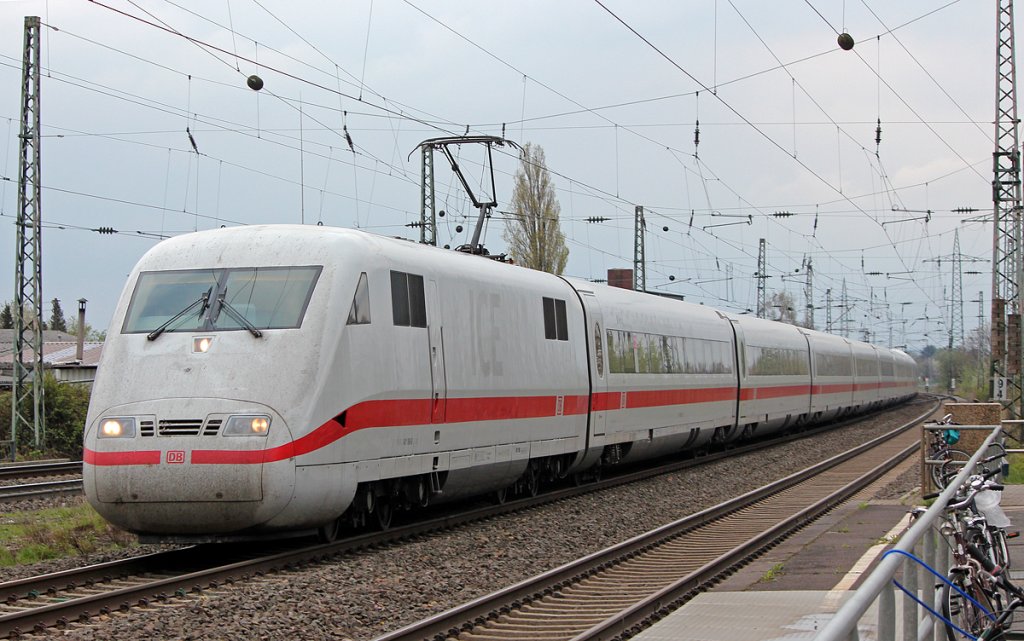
{"x":561,"y":323}
{"x":400,"y":298}
{"x":408,"y":305}
{"x":359,"y":314}
{"x":417,"y":302}
{"x":556,"y":325}
{"x":549,"y":319}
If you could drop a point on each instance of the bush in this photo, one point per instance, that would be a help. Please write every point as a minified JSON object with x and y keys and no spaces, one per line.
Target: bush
{"x":65,"y":408}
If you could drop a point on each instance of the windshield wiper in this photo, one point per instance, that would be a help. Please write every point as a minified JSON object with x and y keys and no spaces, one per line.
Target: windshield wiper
{"x":222,"y":304}
{"x":203,"y":300}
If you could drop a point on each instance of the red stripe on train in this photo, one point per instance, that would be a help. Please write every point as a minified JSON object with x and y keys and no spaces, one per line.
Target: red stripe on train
{"x":408,"y":412}
{"x":143,"y":457}
{"x":394,"y":413}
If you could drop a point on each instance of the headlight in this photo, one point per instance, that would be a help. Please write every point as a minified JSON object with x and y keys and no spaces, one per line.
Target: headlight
{"x":248,"y":425}
{"x":201,"y":344}
{"x":117,"y":428}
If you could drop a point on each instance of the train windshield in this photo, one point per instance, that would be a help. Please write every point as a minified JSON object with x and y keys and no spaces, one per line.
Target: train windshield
{"x":265,"y":298}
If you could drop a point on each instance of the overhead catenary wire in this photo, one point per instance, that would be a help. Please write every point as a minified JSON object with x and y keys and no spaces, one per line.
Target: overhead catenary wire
{"x":329,"y":152}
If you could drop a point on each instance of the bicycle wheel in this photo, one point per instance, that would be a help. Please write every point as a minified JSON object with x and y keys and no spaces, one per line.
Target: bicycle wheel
{"x":963,"y":612}
{"x":946,"y":471}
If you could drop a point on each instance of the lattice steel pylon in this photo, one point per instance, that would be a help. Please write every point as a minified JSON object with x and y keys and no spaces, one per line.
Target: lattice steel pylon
{"x":1006,"y":197}
{"x":956,"y":300}
{"x":828,"y":310}
{"x":809,"y":295}
{"x":428,"y":214}
{"x":639,"y":258}
{"x":844,"y":318}
{"x":956,"y":315}
{"x":27,"y":374}
{"x":762,"y":290}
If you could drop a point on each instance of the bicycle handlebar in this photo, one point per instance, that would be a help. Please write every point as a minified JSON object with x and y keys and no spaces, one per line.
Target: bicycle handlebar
{"x":976,"y":486}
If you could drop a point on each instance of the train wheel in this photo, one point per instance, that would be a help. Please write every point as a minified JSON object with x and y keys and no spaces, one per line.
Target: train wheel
{"x":385,"y":511}
{"x":532,"y":481}
{"x":422,"y":494}
{"x":328,"y":533}
{"x":500,"y":496}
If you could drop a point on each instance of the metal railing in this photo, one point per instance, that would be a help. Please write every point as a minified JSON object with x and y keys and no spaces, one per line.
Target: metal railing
{"x":918,"y":550}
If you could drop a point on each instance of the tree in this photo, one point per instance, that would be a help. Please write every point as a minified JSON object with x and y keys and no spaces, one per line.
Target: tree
{"x":90,"y":332}
{"x":65,"y":412}
{"x":57,"y":321}
{"x":781,"y":308}
{"x":6,"y":317}
{"x":534,"y":235}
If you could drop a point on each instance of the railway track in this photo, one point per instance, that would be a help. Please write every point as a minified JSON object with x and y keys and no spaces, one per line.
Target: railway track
{"x":60,"y":478}
{"x":45,"y":489}
{"x":616,"y":592}
{"x":34,"y":470}
{"x":61,"y":599}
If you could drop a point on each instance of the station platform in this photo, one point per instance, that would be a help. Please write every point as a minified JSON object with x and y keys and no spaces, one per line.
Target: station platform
{"x":792,"y":590}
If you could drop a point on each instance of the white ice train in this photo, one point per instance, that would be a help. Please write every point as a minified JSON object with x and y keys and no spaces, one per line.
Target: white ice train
{"x":279,"y":378}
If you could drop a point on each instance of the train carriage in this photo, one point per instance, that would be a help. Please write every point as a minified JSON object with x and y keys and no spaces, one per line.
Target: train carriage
{"x":866,"y":376}
{"x":666,"y":379}
{"x":831,"y":375}
{"x":775,"y":375}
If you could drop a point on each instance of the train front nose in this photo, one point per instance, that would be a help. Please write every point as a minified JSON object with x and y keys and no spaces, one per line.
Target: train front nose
{"x":171,"y":471}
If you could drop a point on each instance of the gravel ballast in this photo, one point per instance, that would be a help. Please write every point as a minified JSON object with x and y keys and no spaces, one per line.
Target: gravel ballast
{"x":372,"y":592}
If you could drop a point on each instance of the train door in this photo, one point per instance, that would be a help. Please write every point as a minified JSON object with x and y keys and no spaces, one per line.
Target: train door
{"x":435,"y":334}
{"x":740,"y":364}
{"x":596,"y":357}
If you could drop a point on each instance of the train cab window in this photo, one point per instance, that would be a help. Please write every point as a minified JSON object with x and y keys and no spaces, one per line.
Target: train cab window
{"x":556,"y":326}
{"x":236,"y":298}
{"x":408,"y":304}
{"x":360,"y":312}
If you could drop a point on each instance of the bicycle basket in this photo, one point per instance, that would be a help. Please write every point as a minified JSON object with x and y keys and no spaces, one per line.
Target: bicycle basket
{"x":951,"y":436}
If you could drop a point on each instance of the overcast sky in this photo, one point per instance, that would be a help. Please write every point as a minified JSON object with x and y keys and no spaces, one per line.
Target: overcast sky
{"x":612,"y":91}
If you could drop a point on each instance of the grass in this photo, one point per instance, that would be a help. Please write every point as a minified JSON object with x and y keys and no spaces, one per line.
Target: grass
{"x":1016,"y":475}
{"x":887,"y":540}
{"x":773,"y":573}
{"x":40,"y":535}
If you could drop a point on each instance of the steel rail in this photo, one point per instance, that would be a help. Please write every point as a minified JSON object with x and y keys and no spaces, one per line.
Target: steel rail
{"x":48,"y":468}
{"x":11,"y":493}
{"x":545,"y":592}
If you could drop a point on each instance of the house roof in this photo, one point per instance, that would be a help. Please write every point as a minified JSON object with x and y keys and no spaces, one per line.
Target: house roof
{"x":7,"y":336}
{"x":60,"y":354}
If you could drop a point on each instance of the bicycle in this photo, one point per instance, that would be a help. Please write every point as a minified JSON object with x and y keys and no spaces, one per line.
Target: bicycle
{"x":998,"y":623}
{"x":944,"y":461}
{"x":975,"y":528}
{"x":969,"y":595}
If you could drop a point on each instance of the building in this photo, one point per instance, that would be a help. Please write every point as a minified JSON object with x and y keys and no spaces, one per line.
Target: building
{"x":60,"y":356}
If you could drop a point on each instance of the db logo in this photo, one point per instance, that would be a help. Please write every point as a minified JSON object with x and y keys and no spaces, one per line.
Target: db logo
{"x":176,"y":456}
